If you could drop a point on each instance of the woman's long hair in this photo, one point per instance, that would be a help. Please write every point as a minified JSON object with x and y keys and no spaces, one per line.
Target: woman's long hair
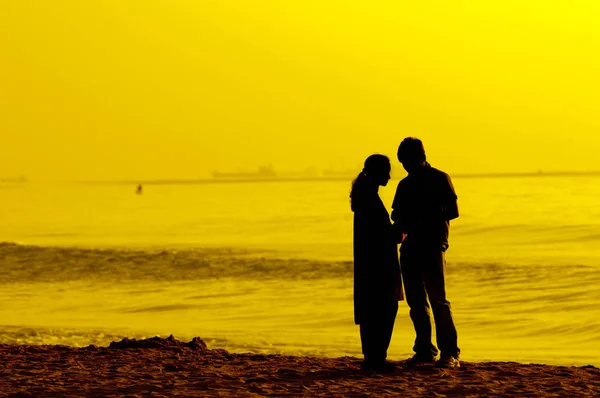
{"x":375,"y":164}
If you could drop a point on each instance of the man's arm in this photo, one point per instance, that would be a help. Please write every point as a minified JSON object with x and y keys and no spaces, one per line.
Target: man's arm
{"x":449,"y":200}
{"x":395,"y":216}
{"x":450,"y":211}
{"x":398,"y":215}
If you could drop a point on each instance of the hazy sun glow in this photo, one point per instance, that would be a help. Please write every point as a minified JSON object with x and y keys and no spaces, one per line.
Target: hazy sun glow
{"x":168,"y":89}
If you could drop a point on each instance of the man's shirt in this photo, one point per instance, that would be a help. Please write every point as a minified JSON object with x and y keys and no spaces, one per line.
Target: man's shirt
{"x":424,"y":204}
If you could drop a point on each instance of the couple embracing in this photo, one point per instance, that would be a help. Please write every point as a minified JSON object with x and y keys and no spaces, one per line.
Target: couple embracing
{"x":424,"y":204}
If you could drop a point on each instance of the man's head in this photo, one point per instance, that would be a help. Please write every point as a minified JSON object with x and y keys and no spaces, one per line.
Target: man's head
{"x":411,"y":154}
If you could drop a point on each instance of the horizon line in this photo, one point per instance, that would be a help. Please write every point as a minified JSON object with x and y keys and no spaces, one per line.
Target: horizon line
{"x":344,"y":177}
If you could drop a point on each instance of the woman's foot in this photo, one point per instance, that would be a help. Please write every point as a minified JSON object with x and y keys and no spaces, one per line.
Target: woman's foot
{"x":378,"y":367}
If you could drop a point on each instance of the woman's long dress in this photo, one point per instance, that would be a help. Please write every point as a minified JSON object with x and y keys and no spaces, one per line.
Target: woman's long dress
{"x":377,"y":278}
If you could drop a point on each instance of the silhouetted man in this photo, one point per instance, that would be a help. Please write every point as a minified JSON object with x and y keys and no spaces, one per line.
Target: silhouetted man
{"x":424,"y":204}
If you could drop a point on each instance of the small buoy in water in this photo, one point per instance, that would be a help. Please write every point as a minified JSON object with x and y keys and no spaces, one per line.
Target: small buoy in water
{"x":139,"y":189}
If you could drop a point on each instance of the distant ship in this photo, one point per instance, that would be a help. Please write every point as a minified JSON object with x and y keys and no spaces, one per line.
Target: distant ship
{"x":12,"y":180}
{"x":339,"y":173}
{"x":263,"y":172}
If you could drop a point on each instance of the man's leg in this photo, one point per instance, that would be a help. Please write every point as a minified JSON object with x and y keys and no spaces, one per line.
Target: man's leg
{"x":416,"y":298}
{"x":447,"y":338}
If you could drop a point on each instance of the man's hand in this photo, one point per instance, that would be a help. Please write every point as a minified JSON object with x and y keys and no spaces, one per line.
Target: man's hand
{"x":399,"y":232}
{"x":403,"y":237}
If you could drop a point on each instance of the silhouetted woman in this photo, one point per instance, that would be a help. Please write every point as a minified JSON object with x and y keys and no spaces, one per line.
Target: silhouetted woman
{"x":377,"y":280}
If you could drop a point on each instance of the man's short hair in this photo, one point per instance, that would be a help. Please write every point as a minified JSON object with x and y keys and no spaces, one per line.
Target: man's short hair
{"x":411,"y":149}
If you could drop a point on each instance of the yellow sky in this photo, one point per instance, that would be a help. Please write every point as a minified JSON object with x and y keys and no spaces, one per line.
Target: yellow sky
{"x":177,"y":88}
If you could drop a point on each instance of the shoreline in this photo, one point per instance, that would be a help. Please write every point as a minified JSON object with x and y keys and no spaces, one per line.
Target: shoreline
{"x":168,"y":367}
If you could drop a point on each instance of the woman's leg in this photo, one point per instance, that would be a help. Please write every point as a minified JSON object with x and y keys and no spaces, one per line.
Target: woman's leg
{"x":386,"y":329}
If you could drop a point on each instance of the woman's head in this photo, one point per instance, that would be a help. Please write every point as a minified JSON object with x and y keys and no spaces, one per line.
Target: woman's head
{"x":376,"y":172}
{"x":377,"y":169}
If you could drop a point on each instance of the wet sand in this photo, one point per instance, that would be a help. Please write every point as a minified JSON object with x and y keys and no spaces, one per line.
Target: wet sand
{"x":166,"y":367}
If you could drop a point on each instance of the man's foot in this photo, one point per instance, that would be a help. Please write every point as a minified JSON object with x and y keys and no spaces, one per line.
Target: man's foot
{"x":448,"y":362}
{"x":418,"y":361}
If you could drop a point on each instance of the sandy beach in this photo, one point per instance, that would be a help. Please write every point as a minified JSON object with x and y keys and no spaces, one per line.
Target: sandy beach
{"x":161,"y":367}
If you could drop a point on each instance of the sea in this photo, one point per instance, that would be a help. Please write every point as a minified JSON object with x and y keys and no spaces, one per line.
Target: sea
{"x":266,"y":267}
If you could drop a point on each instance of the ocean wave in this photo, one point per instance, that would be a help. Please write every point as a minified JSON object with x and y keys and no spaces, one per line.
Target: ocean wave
{"x":77,"y":337}
{"x":24,"y":263}
{"x":102,"y":337}
{"x":38,"y":264}
{"x":531,"y":233}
